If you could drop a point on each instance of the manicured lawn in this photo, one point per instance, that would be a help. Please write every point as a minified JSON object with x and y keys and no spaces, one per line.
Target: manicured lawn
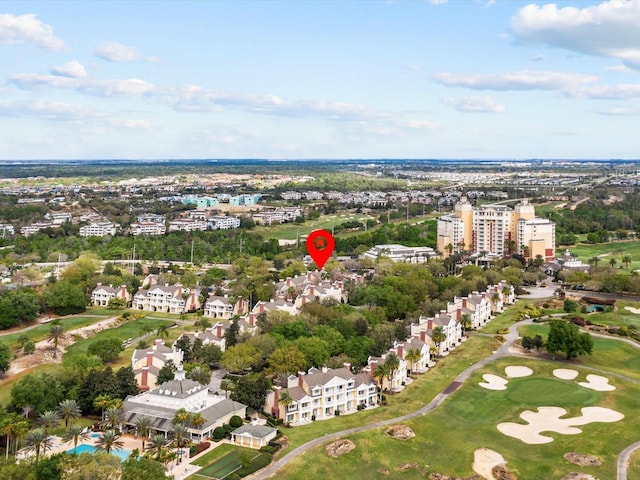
{"x":607,"y":251}
{"x":290,"y":231}
{"x":609,"y":354}
{"x":221,"y":461}
{"x":634,"y":466}
{"x":446,"y":438}
{"x":618,"y":318}
{"x":415,"y":396}
{"x":42,"y":331}
{"x":127,"y":330}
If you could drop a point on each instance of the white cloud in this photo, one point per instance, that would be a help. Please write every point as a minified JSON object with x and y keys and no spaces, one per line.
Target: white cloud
{"x":518,"y":80}
{"x":622,"y":91}
{"x":438,"y":2}
{"x":618,"y":111}
{"x":27,"y":29}
{"x":104,"y":88}
{"x":618,"y":68}
{"x":47,"y":109}
{"x":132,"y":124}
{"x":484,"y":104}
{"x":72,"y":69}
{"x":117,"y":52}
{"x":610,"y":29}
{"x":417,"y":124}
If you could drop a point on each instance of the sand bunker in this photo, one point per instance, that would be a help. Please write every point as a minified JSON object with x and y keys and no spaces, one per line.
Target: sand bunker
{"x":633,"y":310}
{"x":547,"y":419}
{"x":565,"y":373}
{"x":484,"y":459}
{"x":514,"y":371}
{"x":493,"y":382}
{"x":339,"y":448}
{"x":598,"y":383}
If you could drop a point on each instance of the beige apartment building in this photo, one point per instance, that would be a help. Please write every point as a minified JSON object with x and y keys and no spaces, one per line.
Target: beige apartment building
{"x":496,"y":230}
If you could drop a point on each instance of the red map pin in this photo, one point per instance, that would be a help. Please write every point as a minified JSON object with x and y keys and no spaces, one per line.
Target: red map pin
{"x":320,"y":245}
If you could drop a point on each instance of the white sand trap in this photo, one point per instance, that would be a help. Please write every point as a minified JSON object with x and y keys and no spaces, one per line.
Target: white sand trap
{"x":493,"y":382}
{"x":547,"y":419}
{"x":514,"y":371}
{"x":565,"y":373}
{"x":598,"y":383}
{"x":484,"y":460}
{"x":633,"y":310}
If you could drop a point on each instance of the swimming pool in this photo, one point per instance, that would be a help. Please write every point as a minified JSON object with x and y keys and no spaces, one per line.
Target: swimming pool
{"x":85,"y":448}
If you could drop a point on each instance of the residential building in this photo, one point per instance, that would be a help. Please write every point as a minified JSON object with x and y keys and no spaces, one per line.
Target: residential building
{"x":187,"y":225}
{"x":6,"y":229}
{"x":253,"y":436}
{"x":98,"y":229}
{"x":28,"y":230}
{"x":58,"y":218}
{"x":147,"y":363}
{"x":223,"y":307}
{"x":166,"y":298}
{"x":223,"y":222}
{"x":148,"y":228}
{"x":320,"y":393}
{"x":211,"y":336}
{"x":400,"y":253}
{"x":103,"y":294}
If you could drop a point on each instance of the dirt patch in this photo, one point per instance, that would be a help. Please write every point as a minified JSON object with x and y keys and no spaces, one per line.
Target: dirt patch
{"x":384,"y":471}
{"x":582,"y":459}
{"x":400,"y":432}
{"x":339,"y":448}
{"x":442,"y":476}
{"x":408,"y":466}
{"x":500,"y":472}
{"x":579,"y":476}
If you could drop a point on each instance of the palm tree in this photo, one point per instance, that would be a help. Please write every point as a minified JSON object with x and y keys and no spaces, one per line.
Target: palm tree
{"x":180,"y":434}
{"x":465,"y":322}
{"x":181,"y":416}
{"x":626,"y":260}
{"x":146,"y":330}
{"x":200,"y":375}
{"x":37,"y":441}
{"x":143,"y":425}
{"x":56,"y":333}
{"x":613,"y":262}
{"x":109,"y":440}
{"x":285,"y":399}
{"x":412,"y":356}
{"x":227,"y":386}
{"x":158,"y":444}
{"x":113,"y":418}
{"x":48,"y":420}
{"x":393,"y":363}
{"x":381,"y":372}
{"x":75,"y":433}
{"x":102,"y":402}
{"x":12,"y":427}
{"x":69,"y":410}
{"x":163,"y":331}
{"x":438,"y":336}
{"x":594,"y":261}
{"x":196,"y":420}
{"x":204,"y":323}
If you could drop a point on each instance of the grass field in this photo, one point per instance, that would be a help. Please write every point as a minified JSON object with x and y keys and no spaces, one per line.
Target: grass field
{"x":6,"y":385}
{"x":607,"y":251}
{"x":221,"y":461}
{"x":290,"y":231}
{"x":618,"y":318}
{"x":42,"y":331}
{"x":446,"y":438}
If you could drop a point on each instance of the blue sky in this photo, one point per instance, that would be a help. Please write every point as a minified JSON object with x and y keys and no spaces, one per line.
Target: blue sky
{"x":319,"y":79}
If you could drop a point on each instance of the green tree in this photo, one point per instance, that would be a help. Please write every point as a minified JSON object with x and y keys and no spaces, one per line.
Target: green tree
{"x":566,"y":337}
{"x":48,"y":420}
{"x":203,"y":323}
{"x":65,"y":298}
{"x":39,"y":391}
{"x":166,"y":373}
{"x":101,"y":402}
{"x":316,"y":350}
{"x":37,"y":441}
{"x":438,"y":336}
{"x":143,"y":426}
{"x":413,"y":356}
{"x":286,"y":360}
{"x":200,"y":374}
{"x":5,"y":356}
{"x":381,"y":372}
{"x":75,"y":434}
{"x":251,"y":389}
{"x":113,"y":418}
{"x":126,"y":382}
{"x":94,"y":466}
{"x":106,"y":349}
{"x":12,"y":426}
{"x":143,"y":468}
{"x":56,"y":333}
{"x":626,"y":260}
{"x":109,"y":440}
{"x":392,"y":363}
{"x":69,"y":410}
{"x":465,"y":322}
{"x":158,"y":444}
{"x":240,"y":357}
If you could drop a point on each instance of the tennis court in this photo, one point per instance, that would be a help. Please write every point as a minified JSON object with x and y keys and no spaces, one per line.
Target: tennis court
{"x":222,"y":467}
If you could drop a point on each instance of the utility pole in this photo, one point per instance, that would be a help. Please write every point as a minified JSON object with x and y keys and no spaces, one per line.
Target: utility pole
{"x":192,"y":252}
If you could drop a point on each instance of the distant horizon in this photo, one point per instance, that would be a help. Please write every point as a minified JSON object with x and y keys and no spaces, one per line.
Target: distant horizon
{"x":281,"y":80}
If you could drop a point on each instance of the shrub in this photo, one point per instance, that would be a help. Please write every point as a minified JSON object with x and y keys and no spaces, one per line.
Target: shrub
{"x":218,"y":433}
{"x":199,"y":448}
{"x":269,"y":449}
{"x":234,"y":476}
{"x":313,"y":418}
{"x":235,"y":421}
{"x":361,"y":407}
{"x":227,"y":428}
{"x":337,"y":413}
{"x":578,"y":321}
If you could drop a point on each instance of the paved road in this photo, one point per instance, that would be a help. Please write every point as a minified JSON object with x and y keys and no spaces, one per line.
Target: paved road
{"x":623,"y":460}
{"x":438,"y":399}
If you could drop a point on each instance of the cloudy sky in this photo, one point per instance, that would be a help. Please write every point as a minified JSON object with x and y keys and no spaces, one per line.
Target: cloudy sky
{"x":319,"y":79}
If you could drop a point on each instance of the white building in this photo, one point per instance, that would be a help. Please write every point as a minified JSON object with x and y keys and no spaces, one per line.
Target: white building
{"x":148,"y":228}
{"x":103,"y":294}
{"x":167,"y":298}
{"x":222,"y":222}
{"x":400,"y":253}
{"x":147,"y":363}
{"x":187,"y":225}
{"x":98,"y":229}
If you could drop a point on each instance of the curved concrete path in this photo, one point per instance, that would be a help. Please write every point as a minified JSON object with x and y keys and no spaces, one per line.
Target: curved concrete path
{"x":437,"y":400}
{"x":623,"y":460}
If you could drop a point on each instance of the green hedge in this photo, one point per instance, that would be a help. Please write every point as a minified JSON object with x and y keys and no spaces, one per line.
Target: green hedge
{"x":256,"y":464}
